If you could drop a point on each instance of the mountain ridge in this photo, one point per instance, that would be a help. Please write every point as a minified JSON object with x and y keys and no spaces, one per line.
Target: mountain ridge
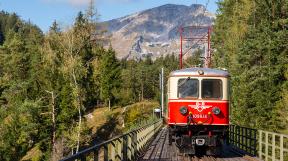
{"x":154,"y":32}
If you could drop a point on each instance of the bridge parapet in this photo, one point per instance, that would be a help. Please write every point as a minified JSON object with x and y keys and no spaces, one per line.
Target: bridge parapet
{"x":266,"y":145}
{"x":272,"y":146}
{"x":125,"y":147}
{"x":243,"y":139}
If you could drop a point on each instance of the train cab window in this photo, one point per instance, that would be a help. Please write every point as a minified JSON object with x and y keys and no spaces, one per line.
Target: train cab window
{"x":188,"y":88}
{"x":211,"y":89}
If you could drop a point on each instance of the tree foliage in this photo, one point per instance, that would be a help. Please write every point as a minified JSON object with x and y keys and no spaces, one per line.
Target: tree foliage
{"x":49,"y":82}
{"x":251,"y":42}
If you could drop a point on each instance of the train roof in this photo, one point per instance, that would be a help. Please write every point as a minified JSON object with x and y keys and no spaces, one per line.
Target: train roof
{"x":197,"y":71}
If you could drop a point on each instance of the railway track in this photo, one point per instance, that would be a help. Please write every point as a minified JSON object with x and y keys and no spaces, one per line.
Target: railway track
{"x":160,"y":150}
{"x":211,"y":158}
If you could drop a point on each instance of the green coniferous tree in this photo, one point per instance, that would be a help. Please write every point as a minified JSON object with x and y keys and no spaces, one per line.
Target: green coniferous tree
{"x":109,"y":75}
{"x":252,"y":46}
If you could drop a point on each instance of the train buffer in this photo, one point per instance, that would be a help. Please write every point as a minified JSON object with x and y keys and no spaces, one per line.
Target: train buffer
{"x":150,"y":142}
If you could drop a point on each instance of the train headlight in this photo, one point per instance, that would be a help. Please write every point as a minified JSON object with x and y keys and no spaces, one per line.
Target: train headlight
{"x":216,"y":110}
{"x":183,"y":110}
{"x":200,"y":72}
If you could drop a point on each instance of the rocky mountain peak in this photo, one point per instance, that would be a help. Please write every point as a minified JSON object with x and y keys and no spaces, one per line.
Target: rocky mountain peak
{"x":154,"y":31}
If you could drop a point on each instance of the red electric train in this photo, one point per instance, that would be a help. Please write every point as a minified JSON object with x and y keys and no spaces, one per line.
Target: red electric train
{"x":197,"y":113}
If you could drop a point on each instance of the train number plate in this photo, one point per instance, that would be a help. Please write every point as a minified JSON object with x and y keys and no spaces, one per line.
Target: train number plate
{"x":198,"y":142}
{"x":200,"y":116}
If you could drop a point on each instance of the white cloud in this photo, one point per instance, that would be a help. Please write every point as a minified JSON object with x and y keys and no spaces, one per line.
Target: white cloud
{"x":117,"y":1}
{"x":69,"y":2}
{"x":79,"y":3}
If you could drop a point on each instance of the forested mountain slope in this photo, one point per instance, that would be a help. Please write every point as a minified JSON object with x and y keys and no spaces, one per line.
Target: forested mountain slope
{"x":49,"y":82}
{"x":250,"y":39}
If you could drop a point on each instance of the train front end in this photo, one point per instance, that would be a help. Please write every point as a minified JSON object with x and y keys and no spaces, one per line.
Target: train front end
{"x":198,"y":109}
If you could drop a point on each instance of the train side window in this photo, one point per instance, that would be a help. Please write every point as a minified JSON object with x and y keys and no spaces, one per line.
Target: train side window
{"x":188,"y":88}
{"x":212,"y":89}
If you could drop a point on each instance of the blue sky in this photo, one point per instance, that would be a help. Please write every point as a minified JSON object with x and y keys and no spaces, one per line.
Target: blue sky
{"x":44,"y":12}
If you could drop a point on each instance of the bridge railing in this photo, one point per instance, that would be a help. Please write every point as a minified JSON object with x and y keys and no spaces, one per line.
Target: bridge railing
{"x":266,"y":145}
{"x":272,"y":146}
{"x":243,"y":139}
{"x":125,"y":147}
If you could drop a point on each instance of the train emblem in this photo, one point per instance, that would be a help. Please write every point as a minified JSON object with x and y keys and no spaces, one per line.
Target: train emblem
{"x":200,"y":106}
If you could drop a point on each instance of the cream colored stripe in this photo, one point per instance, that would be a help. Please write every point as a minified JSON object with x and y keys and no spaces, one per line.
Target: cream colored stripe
{"x":195,"y":124}
{"x":210,"y":101}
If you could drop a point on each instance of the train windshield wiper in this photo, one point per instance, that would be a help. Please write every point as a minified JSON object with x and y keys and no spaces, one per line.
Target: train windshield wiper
{"x":183,"y":82}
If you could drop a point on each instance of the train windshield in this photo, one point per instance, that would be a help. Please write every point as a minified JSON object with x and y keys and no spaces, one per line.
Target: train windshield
{"x":211,"y":89}
{"x":188,"y":88}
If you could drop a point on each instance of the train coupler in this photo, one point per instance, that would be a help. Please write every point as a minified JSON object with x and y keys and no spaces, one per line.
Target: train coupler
{"x":185,"y":144}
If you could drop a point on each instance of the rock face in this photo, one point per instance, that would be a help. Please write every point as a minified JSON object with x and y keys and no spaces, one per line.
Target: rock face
{"x":154,"y":32}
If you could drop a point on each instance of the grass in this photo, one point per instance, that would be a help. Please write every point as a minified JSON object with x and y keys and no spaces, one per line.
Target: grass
{"x":99,"y":117}
{"x":34,"y":154}
{"x":139,"y":112}
{"x":127,"y":116}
